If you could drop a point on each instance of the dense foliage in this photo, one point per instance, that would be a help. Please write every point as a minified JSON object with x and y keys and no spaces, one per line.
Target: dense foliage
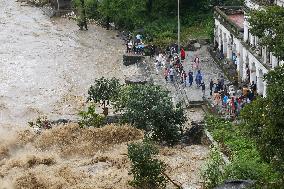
{"x":158,"y":18}
{"x":246,"y":159}
{"x":104,"y":90}
{"x":268,"y":25}
{"x":90,"y":118}
{"x":212,"y":174}
{"x":149,"y":107}
{"x":264,"y":120}
{"x":147,"y":171}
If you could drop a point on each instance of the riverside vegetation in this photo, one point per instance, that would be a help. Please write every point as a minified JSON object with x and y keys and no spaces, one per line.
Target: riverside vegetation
{"x":155,"y":19}
{"x":93,"y":139}
{"x":147,"y":107}
{"x":158,"y":18}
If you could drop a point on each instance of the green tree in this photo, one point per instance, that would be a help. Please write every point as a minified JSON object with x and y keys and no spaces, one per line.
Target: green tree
{"x":149,"y":107}
{"x":268,"y":25}
{"x":264,"y":120}
{"x":103,"y":91}
{"x":124,"y":13}
{"x":90,"y":118}
{"x":147,"y":171}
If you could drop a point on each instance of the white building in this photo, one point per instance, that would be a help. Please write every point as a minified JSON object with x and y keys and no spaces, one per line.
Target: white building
{"x":233,"y":38}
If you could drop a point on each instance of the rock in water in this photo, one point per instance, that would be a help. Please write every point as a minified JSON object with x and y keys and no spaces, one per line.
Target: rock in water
{"x":132,"y":59}
{"x":236,"y":184}
{"x":139,"y":79}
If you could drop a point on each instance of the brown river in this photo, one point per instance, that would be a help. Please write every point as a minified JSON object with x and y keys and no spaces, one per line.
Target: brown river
{"x":47,"y":65}
{"x":46,"y":68}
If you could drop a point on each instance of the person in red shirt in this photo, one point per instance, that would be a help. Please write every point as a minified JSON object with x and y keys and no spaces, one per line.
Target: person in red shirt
{"x":182,"y":54}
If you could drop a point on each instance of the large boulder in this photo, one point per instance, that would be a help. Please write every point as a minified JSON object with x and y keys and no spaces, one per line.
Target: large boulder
{"x":236,"y":184}
{"x":130,"y":59}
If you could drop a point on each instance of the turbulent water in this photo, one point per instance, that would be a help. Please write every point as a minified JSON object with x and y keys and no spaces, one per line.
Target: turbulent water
{"x":66,"y":157}
{"x":46,"y":68}
{"x":47,"y":65}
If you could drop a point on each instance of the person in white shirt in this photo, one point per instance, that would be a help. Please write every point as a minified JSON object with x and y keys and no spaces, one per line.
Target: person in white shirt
{"x":172,"y":73}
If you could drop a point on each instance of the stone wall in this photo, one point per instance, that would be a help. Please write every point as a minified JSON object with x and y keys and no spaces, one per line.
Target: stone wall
{"x":61,"y":4}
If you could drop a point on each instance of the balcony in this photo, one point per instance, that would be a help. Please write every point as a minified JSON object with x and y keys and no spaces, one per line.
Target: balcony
{"x":264,"y":2}
{"x":232,"y":18}
{"x":256,"y":4}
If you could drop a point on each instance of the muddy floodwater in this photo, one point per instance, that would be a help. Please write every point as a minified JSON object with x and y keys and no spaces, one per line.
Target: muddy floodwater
{"x":46,"y":68}
{"x":47,"y":65}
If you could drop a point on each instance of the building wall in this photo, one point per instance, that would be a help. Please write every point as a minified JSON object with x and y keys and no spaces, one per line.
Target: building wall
{"x":251,"y":5}
{"x":246,"y":61}
{"x":280,"y":3}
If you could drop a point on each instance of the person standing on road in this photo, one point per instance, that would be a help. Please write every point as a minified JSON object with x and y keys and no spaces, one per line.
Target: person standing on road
{"x":166,"y":73}
{"x":172,"y":72}
{"x":198,"y":78}
{"x":211,"y":85}
{"x":184,"y":76}
{"x":222,"y":80}
{"x":197,"y":62}
{"x":203,"y":89}
{"x":190,"y":78}
{"x":182,"y":54}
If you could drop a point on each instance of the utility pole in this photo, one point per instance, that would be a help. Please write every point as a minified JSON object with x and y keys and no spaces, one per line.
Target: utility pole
{"x":179,"y":33}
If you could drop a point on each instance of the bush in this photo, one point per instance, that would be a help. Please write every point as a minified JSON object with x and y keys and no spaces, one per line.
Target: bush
{"x":246,"y":159}
{"x":147,"y":171}
{"x":90,"y":118}
{"x":264,"y":120}
{"x":212,"y":173}
{"x":149,"y":107}
{"x":103,"y":91}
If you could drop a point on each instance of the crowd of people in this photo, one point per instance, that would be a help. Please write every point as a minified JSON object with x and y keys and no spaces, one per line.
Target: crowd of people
{"x":229,"y":101}
{"x":136,"y":45}
{"x":174,"y":69}
{"x":225,"y":98}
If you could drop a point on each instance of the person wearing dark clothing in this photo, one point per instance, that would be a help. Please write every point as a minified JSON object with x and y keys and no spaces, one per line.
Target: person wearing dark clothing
{"x":107,"y":22}
{"x":190,"y":78}
{"x":225,"y":89}
{"x":253,"y":87}
{"x":198,"y":78}
{"x":183,"y":77}
{"x":211,"y":85}
{"x":222,"y":80}
{"x":220,"y":86}
{"x":250,"y":95}
{"x":203,"y":89}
